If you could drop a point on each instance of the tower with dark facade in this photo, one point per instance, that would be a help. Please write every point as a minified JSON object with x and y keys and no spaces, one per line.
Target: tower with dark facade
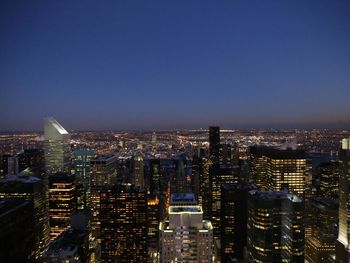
{"x":275,"y":227}
{"x":234,"y":215}
{"x":214,"y":142}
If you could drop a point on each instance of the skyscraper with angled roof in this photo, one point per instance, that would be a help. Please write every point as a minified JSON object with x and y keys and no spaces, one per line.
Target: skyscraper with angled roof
{"x":56,"y":146}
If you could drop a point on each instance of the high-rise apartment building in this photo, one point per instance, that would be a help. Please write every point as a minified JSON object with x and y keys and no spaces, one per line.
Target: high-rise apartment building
{"x":62,"y":202}
{"x":123,"y":216}
{"x":185,"y":237}
{"x":275,"y":227}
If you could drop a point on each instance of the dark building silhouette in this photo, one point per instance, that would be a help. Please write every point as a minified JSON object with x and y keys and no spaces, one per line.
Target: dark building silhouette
{"x":17,"y":240}
{"x":234,"y":214}
{"x":30,"y":188}
{"x":214,"y":142}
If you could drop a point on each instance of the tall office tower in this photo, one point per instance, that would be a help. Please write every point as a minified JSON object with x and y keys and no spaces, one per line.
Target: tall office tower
{"x":30,"y":188}
{"x":321,"y":244}
{"x":197,"y":172}
{"x":343,"y":242}
{"x":62,"y":202}
{"x":275,"y":169}
{"x":329,"y":180}
{"x":185,"y":237}
{"x":16,"y":231}
{"x":275,"y":227}
{"x":234,"y":214}
{"x":56,"y":147}
{"x":102,"y":173}
{"x":225,"y":154}
{"x":204,"y":196}
{"x":32,"y":159}
{"x":257,"y":163}
{"x":218,"y":175}
{"x":155,"y":177}
{"x":12,"y":165}
{"x":82,"y":159}
{"x":153,"y":219}
{"x":137,"y":173}
{"x":180,"y":183}
{"x":214,"y":142}
{"x":123,"y":224}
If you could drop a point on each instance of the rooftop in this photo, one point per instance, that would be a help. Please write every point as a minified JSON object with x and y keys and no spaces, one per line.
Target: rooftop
{"x":183,"y":197}
{"x":185,"y":209}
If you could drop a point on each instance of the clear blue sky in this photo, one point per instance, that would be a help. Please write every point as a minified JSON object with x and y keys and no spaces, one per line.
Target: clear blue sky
{"x":174,"y":64}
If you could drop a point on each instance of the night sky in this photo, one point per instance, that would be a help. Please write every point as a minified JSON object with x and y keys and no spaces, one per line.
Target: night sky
{"x":121,"y":64}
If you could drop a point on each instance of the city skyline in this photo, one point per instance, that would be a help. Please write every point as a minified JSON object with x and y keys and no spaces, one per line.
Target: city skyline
{"x":130,"y":66}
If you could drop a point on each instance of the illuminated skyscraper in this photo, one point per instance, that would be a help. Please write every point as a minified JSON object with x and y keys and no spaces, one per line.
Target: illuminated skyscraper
{"x":62,"y":200}
{"x":123,"y":216}
{"x":56,"y":146}
{"x":275,"y":227}
{"x":185,"y":237}
{"x":103,"y":173}
{"x":30,"y":188}
{"x":153,"y":218}
{"x":329,"y":180}
{"x":343,"y":242}
{"x":82,"y":159}
{"x":137,"y":173}
{"x":218,"y":175}
{"x":155,"y":177}
{"x":275,"y":169}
